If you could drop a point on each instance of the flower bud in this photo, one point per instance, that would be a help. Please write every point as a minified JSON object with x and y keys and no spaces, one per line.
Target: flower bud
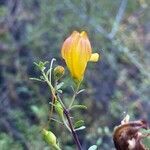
{"x":59,"y":72}
{"x":59,"y":109}
{"x":49,"y":137}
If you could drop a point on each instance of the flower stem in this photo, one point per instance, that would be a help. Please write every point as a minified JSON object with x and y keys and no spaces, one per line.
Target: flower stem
{"x":74,"y":95}
{"x":66,"y":112}
{"x":53,"y":97}
{"x":74,"y":134}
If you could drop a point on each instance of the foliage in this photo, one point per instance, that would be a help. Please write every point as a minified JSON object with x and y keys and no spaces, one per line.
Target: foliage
{"x":119,"y":84}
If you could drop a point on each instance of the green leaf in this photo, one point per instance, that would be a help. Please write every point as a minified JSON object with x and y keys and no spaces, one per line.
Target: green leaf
{"x":46,"y":62}
{"x":36,"y":64}
{"x":41,"y":65}
{"x":37,"y":79}
{"x":79,"y":123}
{"x":81,"y":128}
{"x":82,"y":90}
{"x":60,"y":91}
{"x":60,"y":85}
{"x":79,"y":106}
{"x":93,"y":147}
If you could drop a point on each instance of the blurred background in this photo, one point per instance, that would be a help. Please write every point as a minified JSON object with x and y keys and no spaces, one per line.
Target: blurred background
{"x":34,"y":30}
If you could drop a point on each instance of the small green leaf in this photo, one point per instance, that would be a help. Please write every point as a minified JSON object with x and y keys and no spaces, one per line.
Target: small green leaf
{"x":81,"y":128}
{"x":37,"y":79}
{"x":60,"y":85}
{"x":93,"y":147}
{"x":60,"y":91}
{"x":36,"y":64}
{"x":41,"y":65}
{"x":82,"y":90}
{"x":79,"y":106}
{"x":79,"y":123}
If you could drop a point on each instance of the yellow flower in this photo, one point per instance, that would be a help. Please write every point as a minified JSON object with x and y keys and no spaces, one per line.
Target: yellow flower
{"x":77,"y":51}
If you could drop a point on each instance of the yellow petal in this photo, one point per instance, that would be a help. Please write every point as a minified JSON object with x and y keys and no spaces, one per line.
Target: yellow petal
{"x":83,"y":34}
{"x":94,"y":57}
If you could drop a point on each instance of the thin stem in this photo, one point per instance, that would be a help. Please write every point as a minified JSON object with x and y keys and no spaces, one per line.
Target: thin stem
{"x":57,"y":121}
{"x":66,"y":112}
{"x":65,"y":123}
{"x":70,"y":127}
{"x":75,"y":136}
{"x":50,"y":85}
{"x":46,"y":79}
{"x":53,"y":97}
{"x":63,"y":107}
{"x":74,"y":95}
{"x":59,"y":99}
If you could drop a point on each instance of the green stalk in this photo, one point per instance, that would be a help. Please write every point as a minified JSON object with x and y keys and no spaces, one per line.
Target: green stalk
{"x":74,"y":95}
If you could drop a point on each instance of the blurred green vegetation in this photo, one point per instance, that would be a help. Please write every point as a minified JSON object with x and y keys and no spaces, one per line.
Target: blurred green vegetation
{"x":34,"y":30}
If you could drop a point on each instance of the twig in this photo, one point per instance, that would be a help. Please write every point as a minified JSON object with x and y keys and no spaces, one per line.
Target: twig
{"x":57,"y":121}
{"x":70,"y":127}
{"x":75,"y":136}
